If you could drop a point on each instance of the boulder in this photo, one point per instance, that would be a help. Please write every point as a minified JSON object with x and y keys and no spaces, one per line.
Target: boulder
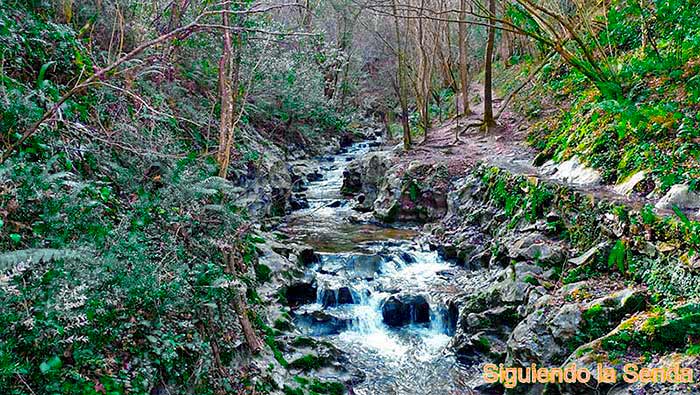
{"x":414,"y":194}
{"x":627,"y":186}
{"x":301,"y":293}
{"x":321,"y":323}
{"x":546,"y":335}
{"x":308,"y":256}
{"x":535,"y":247}
{"x":400,"y":310}
{"x":680,"y":196}
{"x":572,"y":171}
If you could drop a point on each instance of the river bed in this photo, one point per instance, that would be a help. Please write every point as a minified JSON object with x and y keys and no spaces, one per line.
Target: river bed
{"x":362,"y":266}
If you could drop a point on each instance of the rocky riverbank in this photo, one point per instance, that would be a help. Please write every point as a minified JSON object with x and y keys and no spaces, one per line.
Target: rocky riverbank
{"x":565,"y":277}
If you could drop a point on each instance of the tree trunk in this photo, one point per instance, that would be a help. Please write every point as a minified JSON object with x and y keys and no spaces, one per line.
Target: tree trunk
{"x":177,"y":10}
{"x":226,"y":98}
{"x":401,"y":82}
{"x":425,"y":74}
{"x":251,"y":337}
{"x":235,"y":265}
{"x":489,"y":121}
{"x":463,"y":59}
{"x":229,"y":87}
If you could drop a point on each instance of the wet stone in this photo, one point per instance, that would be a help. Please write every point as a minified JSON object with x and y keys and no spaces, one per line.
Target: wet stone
{"x":335,"y":297}
{"x":301,"y":293}
{"x":400,"y":310}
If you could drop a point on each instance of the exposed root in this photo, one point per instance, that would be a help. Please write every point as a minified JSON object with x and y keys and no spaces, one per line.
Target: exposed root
{"x":459,"y":131}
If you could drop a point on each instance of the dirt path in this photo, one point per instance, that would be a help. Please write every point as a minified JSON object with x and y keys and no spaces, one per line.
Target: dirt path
{"x":505,"y":148}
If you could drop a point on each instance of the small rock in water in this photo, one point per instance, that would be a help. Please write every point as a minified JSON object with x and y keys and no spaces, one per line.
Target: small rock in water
{"x":400,"y":310}
{"x":406,"y":257}
{"x":315,"y":176}
{"x":298,"y":201}
{"x":335,"y":204}
{"x":335,"y":297}
{"x":307,"y":256}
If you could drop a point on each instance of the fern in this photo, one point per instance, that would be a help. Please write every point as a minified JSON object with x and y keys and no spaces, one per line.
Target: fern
{"x":13,"y":258}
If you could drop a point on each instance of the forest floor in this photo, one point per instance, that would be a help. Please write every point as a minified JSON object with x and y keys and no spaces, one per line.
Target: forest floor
{"x":505,"y":147}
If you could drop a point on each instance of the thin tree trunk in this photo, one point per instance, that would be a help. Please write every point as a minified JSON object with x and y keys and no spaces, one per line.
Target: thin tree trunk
{"x":236,"y":106}
{"x":235,"y":265}
{"x":401,"y":81}
{"x":489,"y":121}
{"x":424,"y":83}
{"x":225,"y":91}
{"x":463,"y":59}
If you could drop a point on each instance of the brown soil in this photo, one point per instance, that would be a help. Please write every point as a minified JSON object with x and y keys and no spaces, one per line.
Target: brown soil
{"x":503,"y":147}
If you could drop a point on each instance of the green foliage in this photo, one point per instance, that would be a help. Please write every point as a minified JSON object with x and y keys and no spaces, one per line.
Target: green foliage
{"x":315,"y":387}
{"x":618,"y":256}
{"x":653,"y":125}
{"x":663,"y":331}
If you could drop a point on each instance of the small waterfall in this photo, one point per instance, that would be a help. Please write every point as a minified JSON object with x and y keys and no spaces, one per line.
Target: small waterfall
{"x":439,"y":320}
{"x":368,"y":318}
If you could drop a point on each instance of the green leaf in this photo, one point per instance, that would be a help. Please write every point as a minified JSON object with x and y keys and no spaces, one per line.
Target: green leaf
{"x":2,"y":223}
{"x":42,"y":73}
{"x":52,"y":364}
{"x":681,"y":215}
{"x":104,"y":193}
{"x":618,"y":256}
{"x":15,"y":237}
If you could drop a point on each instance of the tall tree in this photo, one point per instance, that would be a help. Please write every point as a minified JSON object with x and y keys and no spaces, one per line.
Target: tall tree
{"x":463,"y":58}
{"x":423,"y":86}
{"x":229,"y":89}
{"x":401,"y":88}
{"x":489,"y":121}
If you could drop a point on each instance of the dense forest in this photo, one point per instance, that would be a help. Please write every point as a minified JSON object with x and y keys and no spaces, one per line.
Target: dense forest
{"x":183,"y":182}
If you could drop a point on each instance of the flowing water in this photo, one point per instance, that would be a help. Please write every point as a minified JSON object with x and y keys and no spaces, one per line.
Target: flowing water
{"x":362,"y":265}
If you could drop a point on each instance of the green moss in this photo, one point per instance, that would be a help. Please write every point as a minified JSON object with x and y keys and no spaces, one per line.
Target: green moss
{"x":326,"y":387}
{"x":262,"y":273}
{"x":282,"y":324}
{"x":531,"y":280}
{"x":303,"y":342}
{"x":292,"y":391}
{"x":308,"y":362}
{"x":270,"y":341}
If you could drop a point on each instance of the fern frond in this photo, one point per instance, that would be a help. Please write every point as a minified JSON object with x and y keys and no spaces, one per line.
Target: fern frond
{"x":32,"y":255}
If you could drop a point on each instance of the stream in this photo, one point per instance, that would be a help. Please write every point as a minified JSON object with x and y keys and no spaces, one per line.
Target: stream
{"x":362,"y":268}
